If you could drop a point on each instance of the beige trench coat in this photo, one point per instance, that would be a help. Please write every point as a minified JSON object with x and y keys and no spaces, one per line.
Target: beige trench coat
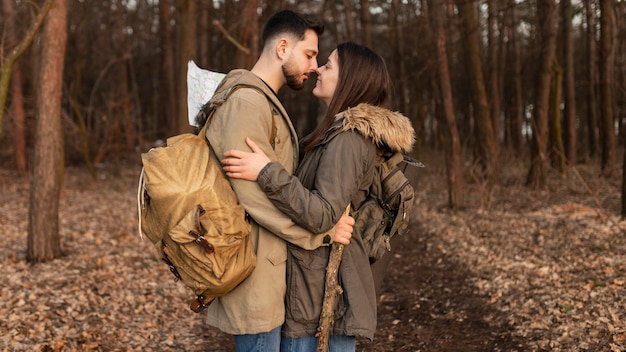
{"x":257,"y":304}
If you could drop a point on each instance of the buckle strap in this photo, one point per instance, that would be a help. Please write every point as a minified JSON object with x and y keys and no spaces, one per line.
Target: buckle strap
{"x":198,"y":305}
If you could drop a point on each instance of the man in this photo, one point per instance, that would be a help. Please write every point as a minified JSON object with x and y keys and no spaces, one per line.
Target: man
{"x":254,"y":311}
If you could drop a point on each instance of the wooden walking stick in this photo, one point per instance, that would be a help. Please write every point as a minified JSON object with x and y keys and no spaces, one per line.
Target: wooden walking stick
{"x":331,"y":291}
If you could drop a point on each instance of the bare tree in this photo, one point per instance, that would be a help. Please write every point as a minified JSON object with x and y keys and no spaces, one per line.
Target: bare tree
{"x":167,"y":64}
{"x":607,"y":85}
{"x":514,"y":109}
{"x":253,"y":28}
{"x":17,"y":96}
{"x":547,"y":32}
{"x":366,"y":23}
{"x":350,"y":18}
{"x":557,"y":149}
{"x":398,"y":48}
{"x":123,"y":93}
{"x":453,"y":143}
{"x":8,"y":62}
{"x":624,"y":184}
{"x":48,"y":158}
{"x":186,"y":51}
{"x":493,"y":69}
{"x":569,"y":91}
{"x":591,"y":77}
{"x":487,"y":150}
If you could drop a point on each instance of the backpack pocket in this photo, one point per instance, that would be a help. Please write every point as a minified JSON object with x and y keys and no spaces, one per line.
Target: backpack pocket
{"x":205,"y":255}
{"x":371,"y":221}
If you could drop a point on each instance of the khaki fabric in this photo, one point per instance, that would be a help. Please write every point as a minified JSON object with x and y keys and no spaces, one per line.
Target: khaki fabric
{"x":193,"y":217}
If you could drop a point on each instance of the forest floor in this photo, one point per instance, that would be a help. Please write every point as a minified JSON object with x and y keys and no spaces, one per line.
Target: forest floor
{"x":512,"y":270}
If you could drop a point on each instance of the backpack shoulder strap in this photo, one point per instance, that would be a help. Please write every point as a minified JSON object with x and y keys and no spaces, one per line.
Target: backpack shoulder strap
{"x":230,"y":91}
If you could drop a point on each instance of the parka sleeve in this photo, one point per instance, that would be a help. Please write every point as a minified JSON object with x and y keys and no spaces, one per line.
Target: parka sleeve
{"x":344,"y":167}
{"x":240,"y":117}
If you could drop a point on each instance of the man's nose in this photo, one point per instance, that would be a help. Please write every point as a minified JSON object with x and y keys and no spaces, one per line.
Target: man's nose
{"x":313,"y":67}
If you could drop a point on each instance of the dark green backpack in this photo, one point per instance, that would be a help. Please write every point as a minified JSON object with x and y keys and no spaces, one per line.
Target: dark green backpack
{"x":386,"y":211}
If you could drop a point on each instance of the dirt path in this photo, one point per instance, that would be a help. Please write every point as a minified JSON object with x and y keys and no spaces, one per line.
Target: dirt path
{"x":515,"y":271}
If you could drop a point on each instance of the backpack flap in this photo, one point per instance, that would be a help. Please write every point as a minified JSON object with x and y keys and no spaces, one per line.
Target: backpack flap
{"x":168,"y":196}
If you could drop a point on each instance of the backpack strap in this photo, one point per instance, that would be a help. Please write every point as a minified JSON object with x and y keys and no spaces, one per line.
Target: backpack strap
{"x":230,"y":91}
{"x":273,"y":131}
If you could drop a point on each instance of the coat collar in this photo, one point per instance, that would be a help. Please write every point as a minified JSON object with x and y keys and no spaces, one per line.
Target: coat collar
{"x":387,"y":129}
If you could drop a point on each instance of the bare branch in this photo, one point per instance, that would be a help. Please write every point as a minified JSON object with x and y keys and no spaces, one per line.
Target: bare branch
{"x":332,"y":289}
{"x":7,"y":64}
{"x":231,"y":38}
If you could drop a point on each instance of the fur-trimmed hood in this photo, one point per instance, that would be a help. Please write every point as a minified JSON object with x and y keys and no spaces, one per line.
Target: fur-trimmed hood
{"x":382,"y":126}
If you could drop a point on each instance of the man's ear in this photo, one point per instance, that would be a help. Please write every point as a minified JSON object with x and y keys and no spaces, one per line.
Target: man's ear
{"x":281,"y":48}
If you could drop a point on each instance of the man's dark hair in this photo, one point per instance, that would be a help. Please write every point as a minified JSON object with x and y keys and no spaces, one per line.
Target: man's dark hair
{"x":291,"y":22}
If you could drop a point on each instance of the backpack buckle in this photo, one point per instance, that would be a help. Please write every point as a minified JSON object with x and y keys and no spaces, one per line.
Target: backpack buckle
{"x":198,"y":305}
{"x":206,"y":245}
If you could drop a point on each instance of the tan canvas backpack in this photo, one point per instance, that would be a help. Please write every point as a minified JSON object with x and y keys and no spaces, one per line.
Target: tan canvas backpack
{"x":191,"y":214}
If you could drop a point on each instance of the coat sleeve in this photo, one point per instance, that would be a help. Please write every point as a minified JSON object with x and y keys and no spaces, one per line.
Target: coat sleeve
{"x":246,"y":113}
{"x":343,"y":170}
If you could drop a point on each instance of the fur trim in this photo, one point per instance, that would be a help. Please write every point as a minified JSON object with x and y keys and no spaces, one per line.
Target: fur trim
{"x":382,"y":126}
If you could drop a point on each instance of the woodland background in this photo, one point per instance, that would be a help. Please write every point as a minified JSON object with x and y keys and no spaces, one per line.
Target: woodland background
{"x":504,"y":94}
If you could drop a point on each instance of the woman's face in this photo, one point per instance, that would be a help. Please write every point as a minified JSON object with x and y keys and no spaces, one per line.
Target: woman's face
{"x":327,"y":77}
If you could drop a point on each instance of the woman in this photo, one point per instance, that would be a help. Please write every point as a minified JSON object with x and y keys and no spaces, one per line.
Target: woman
{"x":337,"y":169}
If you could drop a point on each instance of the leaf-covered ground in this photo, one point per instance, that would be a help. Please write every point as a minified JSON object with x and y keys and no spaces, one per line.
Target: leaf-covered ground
{"x":513,"y":270}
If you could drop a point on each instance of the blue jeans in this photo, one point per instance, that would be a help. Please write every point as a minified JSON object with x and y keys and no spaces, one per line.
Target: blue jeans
{"x":336,"y":343}
{"x":263,"y":342}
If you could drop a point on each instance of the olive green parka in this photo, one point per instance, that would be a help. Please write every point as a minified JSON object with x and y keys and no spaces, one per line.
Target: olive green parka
{"x":338,"y":171}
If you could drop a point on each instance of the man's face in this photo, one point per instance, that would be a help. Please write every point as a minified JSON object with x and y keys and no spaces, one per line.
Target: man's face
{"x":301,"y":61}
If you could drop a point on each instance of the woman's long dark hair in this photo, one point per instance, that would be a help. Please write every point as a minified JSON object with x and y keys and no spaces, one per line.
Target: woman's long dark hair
{"x":363,"y":78}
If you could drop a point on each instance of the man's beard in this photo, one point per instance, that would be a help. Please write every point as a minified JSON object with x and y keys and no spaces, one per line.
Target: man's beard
{"x":293,"y":79}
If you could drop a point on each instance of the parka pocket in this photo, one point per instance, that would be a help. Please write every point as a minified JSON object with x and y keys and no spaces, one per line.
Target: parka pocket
{"x":306,"y":275}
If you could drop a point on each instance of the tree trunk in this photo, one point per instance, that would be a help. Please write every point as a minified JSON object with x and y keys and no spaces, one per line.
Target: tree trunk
{"x":43,"y":241}
{"x":569,"y":91}
{"x":398,"y":49}
{"x":19,"y":121}
{"x":253,"y":28}
{"x":17,"y":96}
{"x":123,"y":92}
{"x":206,"y":54}
{"x":8,"y":61}
{"x":620,"y":79}
{"x":366,"y":23}
{"x":546,"y":30}
{"x":453,"y":143}
{"x":591,"y":67}
{"x":557,"y":154}
{"x":493,"y":67}
{"x":607,"y":85}
{"x":333,"y":25}
{"x":349,"y":19}
{"x":187,"y":51}
{"x":487,"y":152}
{"x":515,"y":102}
{"x":624,"y":184}
{"x":168,"y":81}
